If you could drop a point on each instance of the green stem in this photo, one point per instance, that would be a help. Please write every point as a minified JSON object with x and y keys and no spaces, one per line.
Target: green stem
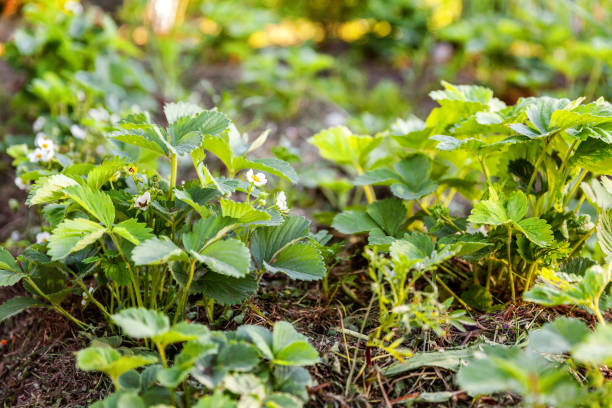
{"x":173,"y":174}
{"x":183,"y":301}
{"x":485,"y":171}
{"x":89,"y":295}
{"x":510,"y":273}
{"x":453,"y":294}
{"x":55,"y":305}
{"x":530,"y":274}
{"x":162,"y":355}
{"x":582,"y":241}
{"x":369,"y":191}
{"x":581,"y":177}
{"x":133,"y":277}
{"x":538,"y":162}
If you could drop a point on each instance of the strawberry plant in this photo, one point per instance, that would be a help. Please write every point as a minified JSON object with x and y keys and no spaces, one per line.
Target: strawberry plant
{"x":146,"y":240}
{"x":250,"y":366}
{"x":532,"y":159}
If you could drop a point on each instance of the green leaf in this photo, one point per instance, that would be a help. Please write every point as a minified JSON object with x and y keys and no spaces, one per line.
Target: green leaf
{"x":17,"y":305}
{"x":604,"y":232}
{"x":500,"y":369}
{"x":103,"y":172}
{"x":298,"y":261}
{"x":95,"y":202}
{"x":185,"y":118}
{"x":267,"y":241}
{"x":500,"y":210}
{"x":378,"y":176}
{"x":277,"y":167}
{"x":596,"y":349}
{"x":558,"y":288}
{"x":216,"y":400}
{"x":593,"y":155}
{"x":142,"y":323}
{"x":414,"y":172}
{"x":448,"y":359}
{"x":260,"y":336}
{"x":7,"y":262}
{"x":220,"y":147}
{"x":559,"y":336}
{"x":290,"y":347}
{"x":381,"y":219}
{"x":227,"y":257}
{"x":353,"y":222}
{"x":73,"y":235}
{"x":489,"y":212}
{"x":388,"y":214}
{"x":243,"y":212}
{"x":414,"y":248}
{"x":467,"y":93}
{"x":339,"y":145}
{"x":297,"y":354}
{"x":150,"y":142}
{"x":197,"y":197}
{"x":541,"y":111}
{"x":50,"y":189}
{"x":130,"y":400}
{"x":592,"y":114}
{"x":133,"y":231}
{"x":179,"y":333}
{"x":8,"y":278}
{"x":157,"y":251}
{"x":237,"y":356}
{"x":176,"y":110}
{"x":224,"y":289}
{"x":109,"y":361}
{"x":207,"y":229}
{"x":138,"y":130}
{"x":537,"y":231}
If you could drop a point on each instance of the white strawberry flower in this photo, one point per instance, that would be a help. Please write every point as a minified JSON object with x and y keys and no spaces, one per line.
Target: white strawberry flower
{"x":74,"y":6}
{"x":116,"y":176}
{"x":43,"y":142}
{"x":42,"y":237}
{"x":142,"y":202}
{"x":78,"y":132}
{"x":281,"y":202}
{"x":40,"y":155}
{"x":39,"y":123}
{"x":20,"y":184}
{"x":258,"y":179}
{"x":99,"y":114}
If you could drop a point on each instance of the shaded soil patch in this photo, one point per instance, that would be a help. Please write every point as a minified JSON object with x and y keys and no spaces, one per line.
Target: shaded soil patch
{"x":37,"y":364}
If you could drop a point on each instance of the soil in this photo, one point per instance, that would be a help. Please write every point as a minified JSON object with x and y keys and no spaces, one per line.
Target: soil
{"x":37,"y":365}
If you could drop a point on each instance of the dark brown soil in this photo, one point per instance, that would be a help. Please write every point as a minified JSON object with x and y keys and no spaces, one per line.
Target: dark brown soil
{"x":37,"y":365}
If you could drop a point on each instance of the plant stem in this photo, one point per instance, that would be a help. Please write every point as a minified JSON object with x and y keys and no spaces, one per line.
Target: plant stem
{"x":56,"y":306}
{"x":89,"y":295}
{"x":453,"y":294}
{"x":538,"y":162}
{"x":183,"y":301}
{"x":162,"y":355}
{"x":485,"y":171}
{"x":510,"y":273}
{"x":133,"y":277}
{"x":582,"y":241}
{"x":369,"y":191}
{"x":530,"y":274}
{"x":581,"y":177}
{"x":173,"y":174}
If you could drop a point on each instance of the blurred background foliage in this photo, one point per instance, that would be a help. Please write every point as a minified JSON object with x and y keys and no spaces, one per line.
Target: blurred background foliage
{"x":297,"y":62}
